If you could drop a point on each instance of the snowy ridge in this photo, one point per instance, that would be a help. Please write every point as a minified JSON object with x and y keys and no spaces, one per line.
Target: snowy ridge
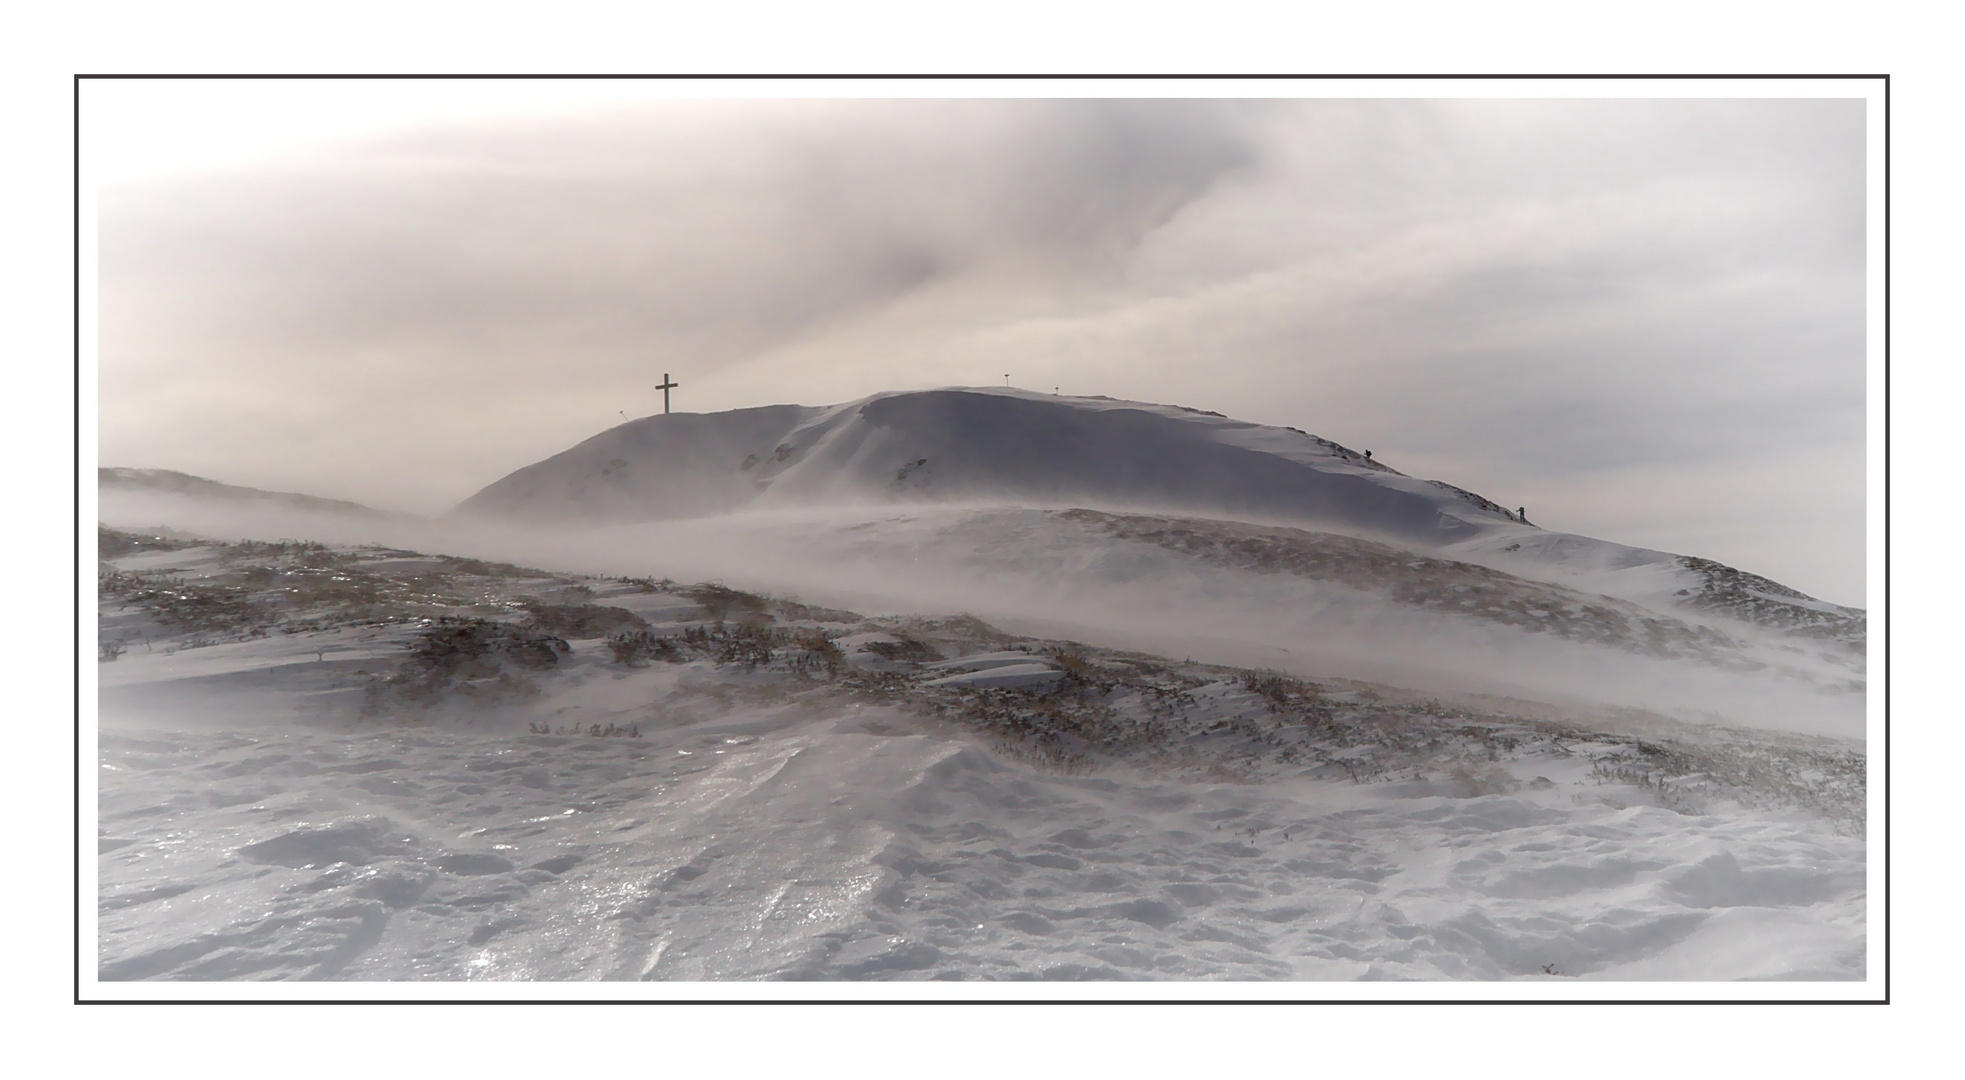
{"x":972,"y":445}
{"x":1685,"y":584}
{"x":997,"y":446}
{"x":1755,"y":599}
{"x":166,"y":481}
{"x":685,"y":464}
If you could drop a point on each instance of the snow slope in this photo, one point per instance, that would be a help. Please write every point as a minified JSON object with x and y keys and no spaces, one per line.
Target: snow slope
{"x":1001,"y":446}
{"x":776,"y":843}
{"x":971,"y":445}
{"x":1314,"y":604}
{"x":304,"y":773}
{"x":1251,"y":707}
{"x":167,"y":482}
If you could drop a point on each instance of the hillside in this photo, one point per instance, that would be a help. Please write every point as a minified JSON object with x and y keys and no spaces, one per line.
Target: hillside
{"x":169,"y":482}
{"x":365,"y":763}
{"x":1005,"y":447}
{"x":979,"y":445}
{"x":1079,"y":689}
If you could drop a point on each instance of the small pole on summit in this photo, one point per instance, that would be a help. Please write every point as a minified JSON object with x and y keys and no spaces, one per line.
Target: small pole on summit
{"x":1006,"y":380}
{"x":667,"y":385}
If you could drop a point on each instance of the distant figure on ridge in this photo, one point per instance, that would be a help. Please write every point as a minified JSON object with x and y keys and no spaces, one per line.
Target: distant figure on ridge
{"x":1524,"y":514}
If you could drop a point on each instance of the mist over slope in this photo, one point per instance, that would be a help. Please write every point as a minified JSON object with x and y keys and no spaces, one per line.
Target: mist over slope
{"x":1006,"y":447}
{"x":1314,"y":604}
{"x":1129,"y":525}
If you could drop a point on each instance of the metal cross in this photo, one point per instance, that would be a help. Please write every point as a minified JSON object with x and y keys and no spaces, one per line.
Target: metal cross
{"x":666,"y":386}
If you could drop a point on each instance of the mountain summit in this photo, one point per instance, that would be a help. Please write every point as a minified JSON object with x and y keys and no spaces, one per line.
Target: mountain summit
{"x":981,"y":445}
{"x":996,"y":446}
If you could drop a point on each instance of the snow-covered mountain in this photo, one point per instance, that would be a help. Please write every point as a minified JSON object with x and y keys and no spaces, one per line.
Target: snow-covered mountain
{"x":998,"y":446}
{"x":168,"y":482}
{"x":981,"y":445}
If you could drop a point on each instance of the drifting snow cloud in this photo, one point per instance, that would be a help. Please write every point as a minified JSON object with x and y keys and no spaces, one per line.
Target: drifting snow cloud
{"x":1644,"y":319}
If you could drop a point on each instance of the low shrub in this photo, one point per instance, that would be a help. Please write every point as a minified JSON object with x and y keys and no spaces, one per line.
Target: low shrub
{"x":636,"y":647}
{"x":582,"y":622}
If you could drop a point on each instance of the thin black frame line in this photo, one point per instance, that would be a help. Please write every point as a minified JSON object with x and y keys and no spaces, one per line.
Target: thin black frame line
{"x":973,"y":1001}
{"x":75,"y":269}
{"x":76,"y":285}
{"x":896,"y":76}
{"x":1886,"y":539}
{"x":959,"y":1002}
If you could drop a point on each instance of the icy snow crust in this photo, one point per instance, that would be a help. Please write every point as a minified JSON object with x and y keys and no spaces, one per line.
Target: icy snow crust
{"x":330,"y":762}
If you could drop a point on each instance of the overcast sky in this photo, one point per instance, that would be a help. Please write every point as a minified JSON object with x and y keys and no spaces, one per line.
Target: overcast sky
{"x":1642,"y":319}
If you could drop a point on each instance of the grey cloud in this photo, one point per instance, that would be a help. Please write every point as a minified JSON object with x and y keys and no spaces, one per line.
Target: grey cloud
{"x":727,"y":241}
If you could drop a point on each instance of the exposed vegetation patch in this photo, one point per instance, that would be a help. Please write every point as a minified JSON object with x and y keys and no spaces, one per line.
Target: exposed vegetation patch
{"x":582,"y":621}
{"x":474,"y":658}
{"x":494,"y":634}
{"x":1478,"y":500}
{"x":1335,"y":450}
{"x":203,"y":609}
{"x":723,"y":603}
{"x":794,"y":611}
{"x":636,"y":647}
{"x":1420,"y":581}
{"x":116,"y":543}
{"x":906,"y":649}
{"x":299,"y":586}
{"x":1755,"y":599}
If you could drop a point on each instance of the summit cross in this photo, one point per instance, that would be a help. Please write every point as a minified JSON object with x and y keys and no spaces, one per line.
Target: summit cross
{"x":667,"y":385}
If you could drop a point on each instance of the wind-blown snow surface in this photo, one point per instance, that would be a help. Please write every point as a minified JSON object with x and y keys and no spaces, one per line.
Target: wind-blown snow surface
{"x":779,"y":843}
{"x":301,"y":777}
{"x":970,"y":445}
{"x":1005,"y":447}
{"x":1312,"y":603}
{"x":1253,"y":707}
